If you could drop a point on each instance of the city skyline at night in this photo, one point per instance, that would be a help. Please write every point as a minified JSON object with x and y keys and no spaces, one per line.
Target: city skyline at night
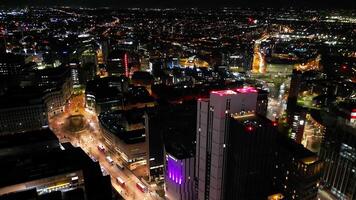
{"x":315,"y":4}
{"x":177,"y":100}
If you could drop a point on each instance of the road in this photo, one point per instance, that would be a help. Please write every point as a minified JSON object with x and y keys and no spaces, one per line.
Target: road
{"x":258,"y":62}
{"x":88,"y":139}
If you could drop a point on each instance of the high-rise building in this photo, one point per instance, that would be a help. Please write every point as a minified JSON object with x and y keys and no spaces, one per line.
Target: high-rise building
{"x":89,"y":66}
{"x":213,"y":116}
{"x":164,"y":123}
{"x":239,"y":155}
{"x":89,"y":56}
{"x":179,"y":169}
{"x":297,"y":170}
{"x":104,"y":46}
{"x":295,"y":85}
{"x":338,"y":151}
{"x":249,"y":165}
{"x":105,"y":94}
{"x":297,"y":124}
{"x":262,"y":102}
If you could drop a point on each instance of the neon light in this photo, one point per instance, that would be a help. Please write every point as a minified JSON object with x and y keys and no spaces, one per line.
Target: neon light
{"x":234,"y":91}
{"x":174,"y":169}
{"x":246,"y":90}
{"x":126,"y":63}
{"x":223,"y":92}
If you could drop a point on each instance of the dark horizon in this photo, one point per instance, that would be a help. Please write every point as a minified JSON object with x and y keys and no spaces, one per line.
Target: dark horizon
{"x":315,"y":4}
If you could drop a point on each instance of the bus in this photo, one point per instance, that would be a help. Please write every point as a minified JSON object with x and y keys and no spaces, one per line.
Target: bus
{"x":110,"y":160}
{"x":141,"y":187}
{"x":120,"y":181}
{"x":120,"y":166}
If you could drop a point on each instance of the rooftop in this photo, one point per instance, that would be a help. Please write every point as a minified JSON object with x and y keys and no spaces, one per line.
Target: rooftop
{"x":21,"y":97}
{"x":235,"y":91}
{"x":120,"y":124}
{"x":26,"y":138}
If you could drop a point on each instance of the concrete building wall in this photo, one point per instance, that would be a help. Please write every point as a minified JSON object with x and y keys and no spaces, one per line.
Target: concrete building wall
{"x":212,"y":124}
{"x":179,"y":174}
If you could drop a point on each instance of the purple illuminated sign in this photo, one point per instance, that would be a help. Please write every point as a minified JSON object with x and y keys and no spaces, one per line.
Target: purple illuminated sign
{"x":174,"y":170}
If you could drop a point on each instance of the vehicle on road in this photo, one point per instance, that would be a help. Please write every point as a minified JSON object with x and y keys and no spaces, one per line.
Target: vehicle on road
{"x":110,"y":160}
{"x":120,"y":181}
{"x":101,"y":148}
{"x":103,"y":171}
{"x":141,"y":187}
{"x":93,"y":158}
{"x":120,"y":166}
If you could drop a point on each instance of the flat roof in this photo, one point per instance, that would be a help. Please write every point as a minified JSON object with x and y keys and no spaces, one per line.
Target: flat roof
{"x":40,"y":165}
{"x":113,"y":122}
{"x":18,"y":97}
{"x":24,"y":138}
{"x":234,"y":91}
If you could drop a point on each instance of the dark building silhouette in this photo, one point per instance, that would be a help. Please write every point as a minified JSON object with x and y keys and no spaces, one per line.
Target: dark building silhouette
{"x":338,"y":151}
{"x":250,"y":160}
{"x":36,"y":166}
{"x":297,"y":170}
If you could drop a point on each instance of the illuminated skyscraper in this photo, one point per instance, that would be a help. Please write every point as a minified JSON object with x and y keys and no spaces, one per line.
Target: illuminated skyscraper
{"x":213,"y":119}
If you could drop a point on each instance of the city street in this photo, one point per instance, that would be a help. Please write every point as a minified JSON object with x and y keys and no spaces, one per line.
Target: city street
{"x":89,"y":139}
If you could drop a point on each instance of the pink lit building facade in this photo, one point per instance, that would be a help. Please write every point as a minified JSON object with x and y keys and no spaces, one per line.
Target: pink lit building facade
{"x":179,"y":177}
{"x":213,"y":117}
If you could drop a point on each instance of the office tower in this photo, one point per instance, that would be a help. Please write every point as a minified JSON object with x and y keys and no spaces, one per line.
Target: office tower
{"x":89,"y":57}
{"x":118,"y":63}
{"x":124,"y":134}
{"x":213,"y":116}
{"x":262,"y":102}
{"x":249,"y":165}
{"x":165,"y":124}
{"x":338,"y":151}
{"x":104,"y":44}
{"x":295,"y":85}
{"x":74,"y":74}
{"x":155,"y":144}
{"x":89,"y":64}
{"x":102,"y":95}
{"x":297,"y":124}
{"x":177,"y":127}
{"x":297,"y":170}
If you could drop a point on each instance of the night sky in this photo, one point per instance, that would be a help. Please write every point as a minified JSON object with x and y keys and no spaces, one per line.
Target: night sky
{"x":350,"y":4}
